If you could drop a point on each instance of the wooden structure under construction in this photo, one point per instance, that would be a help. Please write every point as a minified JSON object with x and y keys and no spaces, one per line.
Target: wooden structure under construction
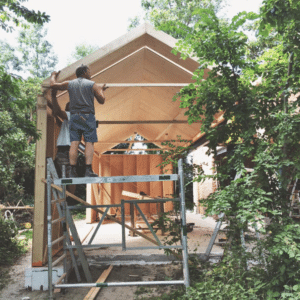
{"x":144,"y":76}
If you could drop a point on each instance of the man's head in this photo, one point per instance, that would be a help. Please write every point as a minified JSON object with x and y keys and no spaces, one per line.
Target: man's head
{"x":83,"y":71}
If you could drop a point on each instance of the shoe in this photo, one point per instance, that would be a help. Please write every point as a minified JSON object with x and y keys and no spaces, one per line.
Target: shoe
{"x":89,"y":172}
{"x":71,"y":172}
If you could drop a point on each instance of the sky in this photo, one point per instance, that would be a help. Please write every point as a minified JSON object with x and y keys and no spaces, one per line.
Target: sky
{"x":97,"y":22}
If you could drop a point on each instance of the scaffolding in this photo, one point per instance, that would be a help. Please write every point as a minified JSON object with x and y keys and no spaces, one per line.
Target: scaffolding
{"x":67,"y":222}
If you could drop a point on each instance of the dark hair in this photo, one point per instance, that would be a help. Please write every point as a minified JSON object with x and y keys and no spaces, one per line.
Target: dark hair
{"x":67,"y":108}
{"x":81,"y":70}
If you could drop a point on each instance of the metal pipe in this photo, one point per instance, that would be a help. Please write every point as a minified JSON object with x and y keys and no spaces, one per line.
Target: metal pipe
{"x":98,"y":226}
{"x":152,"y":200}
{"x":128,"y":283}
{"x":147,"y":223}
{"x":64,"y":224}
{"x":49,"y":231}
{"x":183,"y":226}
{"x":157,"y":247}
{"x":93,"y":206}
{"x":117,"y":179}
{"x":123,"y":225}
{"x":93,"y":246}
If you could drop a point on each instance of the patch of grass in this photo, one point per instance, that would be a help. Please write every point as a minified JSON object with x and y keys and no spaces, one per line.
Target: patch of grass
{"x":28,"y":234}
{"x":79,"y":214}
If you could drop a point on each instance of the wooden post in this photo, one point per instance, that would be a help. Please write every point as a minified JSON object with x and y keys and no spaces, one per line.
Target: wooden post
{"x":38,"y":244}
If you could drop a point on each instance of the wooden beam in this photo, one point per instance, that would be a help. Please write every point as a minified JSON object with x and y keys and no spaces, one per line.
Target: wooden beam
{"x":135,"y":195}
{"x":144,"y":142}
{"x":2,"y":207}
{"x":154,"y":149}
{"x":145,"y":122}
{"x":39,"y":187}
{"x":171,"y":61}
{"x":122,"y":85}
{"x":92,"y":294}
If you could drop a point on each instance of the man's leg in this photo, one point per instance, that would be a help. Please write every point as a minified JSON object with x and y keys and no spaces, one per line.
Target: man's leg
{"x":89,"y":152}
{"x":74,"y":152}
{"x":73,"y":158}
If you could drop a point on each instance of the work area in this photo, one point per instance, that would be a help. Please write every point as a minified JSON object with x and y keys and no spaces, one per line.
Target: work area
{"x":161,"y":165}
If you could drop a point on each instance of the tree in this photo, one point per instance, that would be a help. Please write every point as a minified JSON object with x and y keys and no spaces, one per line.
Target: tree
{"x":17,"y":104}
{"x":82,"y":51}
{"x":258,"y":93}
{"x":12,"y":10}
{"x":8,"y":57}
{"x":37,"y":54}
{"x":174,"y":17}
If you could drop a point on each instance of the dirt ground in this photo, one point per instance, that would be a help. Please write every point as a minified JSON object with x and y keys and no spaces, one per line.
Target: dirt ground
{"x":16,"y":290}
{"x":197,"y":241}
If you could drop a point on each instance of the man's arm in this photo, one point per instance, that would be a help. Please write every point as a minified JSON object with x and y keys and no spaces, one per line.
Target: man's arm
{"x":57,"y":111}
{"x":99,"y":92}
{"x":62,"y":86}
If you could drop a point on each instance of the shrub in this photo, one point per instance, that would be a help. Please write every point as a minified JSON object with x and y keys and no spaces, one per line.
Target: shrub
{"x":9,"y":246}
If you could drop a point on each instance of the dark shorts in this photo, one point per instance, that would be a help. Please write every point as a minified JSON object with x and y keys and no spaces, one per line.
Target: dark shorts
{"x":83,"y":125}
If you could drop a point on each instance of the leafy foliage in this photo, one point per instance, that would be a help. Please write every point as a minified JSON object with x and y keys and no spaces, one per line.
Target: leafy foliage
{"x":37,"y":56}
{"x":18,"y":133}
{"x":253,"y":87}
{"x":81,"y":51}
{"x":9,"y":247}
{"x":13,"y":10}
{"x":175,"y":17}
{"x":18,"y":99}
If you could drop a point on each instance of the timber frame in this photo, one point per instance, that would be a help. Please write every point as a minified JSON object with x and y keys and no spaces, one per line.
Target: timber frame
{"x":144,"y":76}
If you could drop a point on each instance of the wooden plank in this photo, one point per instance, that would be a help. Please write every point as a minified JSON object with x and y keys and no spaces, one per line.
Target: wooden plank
{"x":132,"y":142}
{"x":146,"y":150}
{"x":92,"y":294}
{"x":156,"y":188}
{"x":105,"y":171}
{"x":143,"y":168}
{"x":129,"y":168}
{"x":2,"y":207}
{"x":135,"y":195}
{"x":87,"y":235}
{"x":39,"y":228}
{"x":116,"y":166}
{"x":91,"y":215}
{"x":168,"y":189}
{"x":110,"y":85}
{"x":145,"y":122}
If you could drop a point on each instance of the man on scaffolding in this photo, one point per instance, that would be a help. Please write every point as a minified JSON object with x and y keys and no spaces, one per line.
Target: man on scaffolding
{"x":82,"y":92}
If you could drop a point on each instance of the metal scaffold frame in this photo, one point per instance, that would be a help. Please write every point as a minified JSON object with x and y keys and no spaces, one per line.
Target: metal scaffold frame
{"x":67,"y":222}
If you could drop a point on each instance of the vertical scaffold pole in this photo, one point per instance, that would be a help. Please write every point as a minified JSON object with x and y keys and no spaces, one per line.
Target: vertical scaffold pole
{"x":123,"y":225}
{"x":49,"y":227}
{"x":183,"y":225}
{"x":64,"y":223}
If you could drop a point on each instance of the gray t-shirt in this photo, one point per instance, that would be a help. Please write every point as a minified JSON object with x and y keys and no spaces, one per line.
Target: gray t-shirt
{"x":81,"y":95}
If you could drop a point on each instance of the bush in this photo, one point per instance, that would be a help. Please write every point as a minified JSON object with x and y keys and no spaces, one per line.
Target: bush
{"x":9,"y":246}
